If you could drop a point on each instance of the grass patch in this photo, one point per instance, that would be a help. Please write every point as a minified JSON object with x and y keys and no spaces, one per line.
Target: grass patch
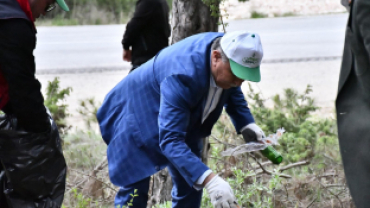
{"x":56,"y":22}
{"x":256,"y":15}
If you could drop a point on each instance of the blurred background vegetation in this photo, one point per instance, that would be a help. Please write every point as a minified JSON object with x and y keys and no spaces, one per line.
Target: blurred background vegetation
{"x":92,"y":12}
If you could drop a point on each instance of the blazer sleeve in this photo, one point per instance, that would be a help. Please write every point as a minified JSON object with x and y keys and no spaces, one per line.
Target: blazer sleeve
{"x":178,"y":97}
{"x":237,"y":108}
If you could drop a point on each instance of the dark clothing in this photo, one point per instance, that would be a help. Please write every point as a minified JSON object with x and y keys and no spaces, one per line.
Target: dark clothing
{"x":353,"y":103}
{"x":133,"y":67}
{"x":11,"y":9}
{"x":33,"y":169}
{"x":148,"y":31}
{"x":17,"y":64}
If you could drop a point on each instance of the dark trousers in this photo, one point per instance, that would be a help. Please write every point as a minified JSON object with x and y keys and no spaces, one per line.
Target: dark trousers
{"x":183,"y":196}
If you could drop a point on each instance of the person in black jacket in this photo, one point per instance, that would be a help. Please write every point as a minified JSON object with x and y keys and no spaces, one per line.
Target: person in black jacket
{"x":147,"y":32}
{"x":33,"y":169}
{"x":352,"y":103}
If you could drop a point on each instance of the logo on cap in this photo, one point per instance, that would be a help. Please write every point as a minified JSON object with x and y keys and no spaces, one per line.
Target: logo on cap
{"x":250,"y":60}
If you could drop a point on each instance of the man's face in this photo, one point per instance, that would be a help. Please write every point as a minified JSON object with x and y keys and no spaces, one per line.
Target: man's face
{"x":222,"y":73}
{"x":38,"y":7}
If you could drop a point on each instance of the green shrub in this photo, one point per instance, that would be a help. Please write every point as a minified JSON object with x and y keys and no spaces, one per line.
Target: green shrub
{"x":309,"y":147}
{"x":293,"y":111}
{"x":55,"y":102}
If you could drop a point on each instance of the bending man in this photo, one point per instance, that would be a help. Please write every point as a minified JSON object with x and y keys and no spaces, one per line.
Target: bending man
{"x":157,"y":116}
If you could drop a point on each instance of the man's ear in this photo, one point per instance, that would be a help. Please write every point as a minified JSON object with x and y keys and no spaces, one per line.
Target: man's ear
{"x":216,"y":55}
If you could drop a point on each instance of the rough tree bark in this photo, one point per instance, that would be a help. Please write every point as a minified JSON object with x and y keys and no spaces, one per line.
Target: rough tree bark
{"x":189,"y":17}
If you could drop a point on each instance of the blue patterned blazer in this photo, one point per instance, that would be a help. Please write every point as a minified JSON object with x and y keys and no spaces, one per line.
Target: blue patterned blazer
{"x":153,"y":117}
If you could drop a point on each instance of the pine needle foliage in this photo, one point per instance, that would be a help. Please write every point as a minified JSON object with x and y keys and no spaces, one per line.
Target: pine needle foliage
{"x":293,"y":111}
{"x":55,"y":102}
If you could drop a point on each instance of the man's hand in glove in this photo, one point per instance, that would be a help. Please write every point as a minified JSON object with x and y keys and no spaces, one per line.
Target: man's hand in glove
{"x":252,"y":133}
{"x":220,"y":192}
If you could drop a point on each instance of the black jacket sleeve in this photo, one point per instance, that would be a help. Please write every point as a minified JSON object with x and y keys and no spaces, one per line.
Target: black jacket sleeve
{"x":17,"y":42}
{"x":144,"y":11}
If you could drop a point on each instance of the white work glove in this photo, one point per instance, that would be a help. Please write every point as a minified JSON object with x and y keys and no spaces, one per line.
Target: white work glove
{"x":221,"y":194}
{"x":252,"y":132}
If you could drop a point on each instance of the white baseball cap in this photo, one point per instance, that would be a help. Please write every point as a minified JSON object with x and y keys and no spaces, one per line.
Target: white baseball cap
{"x":244,"y":50}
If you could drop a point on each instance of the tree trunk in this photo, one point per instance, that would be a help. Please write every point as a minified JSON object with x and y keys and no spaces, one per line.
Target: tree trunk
{"x":189,"y":17}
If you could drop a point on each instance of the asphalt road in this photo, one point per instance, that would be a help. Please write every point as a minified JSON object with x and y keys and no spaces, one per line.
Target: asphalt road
{"x":96,"y":48}
{"x":298,"y":51}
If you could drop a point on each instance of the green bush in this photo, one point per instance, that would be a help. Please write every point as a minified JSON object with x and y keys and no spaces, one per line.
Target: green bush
{"x":309,"y":147}
{"x":293,"y":111}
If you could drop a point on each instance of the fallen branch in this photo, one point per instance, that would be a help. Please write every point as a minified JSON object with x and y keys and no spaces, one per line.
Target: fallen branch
{"x":99,"y":167}
{"x":328,"y":175}
{"x":90,"y":176}
{"x":334,"y":185}
{"x":294,"y":165}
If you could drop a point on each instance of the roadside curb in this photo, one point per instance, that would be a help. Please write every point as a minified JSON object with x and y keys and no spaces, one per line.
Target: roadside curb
{"x":80,"y":70}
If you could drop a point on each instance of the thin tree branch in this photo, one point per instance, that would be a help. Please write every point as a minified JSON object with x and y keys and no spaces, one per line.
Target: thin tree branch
{"x":267,"y":171}
{"x":224,"y":143}
{"x":294,"y":165}
{"x":97,"y":168}
{"x":341,"y":204}
{"x":108,"y":186}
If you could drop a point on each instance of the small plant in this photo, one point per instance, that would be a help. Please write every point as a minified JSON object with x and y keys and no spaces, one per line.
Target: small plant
{"x":132,"y":198}
{"x":130,"y":203}
{"x":167,"y":204}
{"x":80,"y":201}
{"x":54,"y":101}
{"x":88,"y":109}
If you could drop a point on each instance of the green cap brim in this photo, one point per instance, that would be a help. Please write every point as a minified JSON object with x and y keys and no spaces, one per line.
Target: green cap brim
{"x":245,"y":73}
{"x":63,"y":5}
